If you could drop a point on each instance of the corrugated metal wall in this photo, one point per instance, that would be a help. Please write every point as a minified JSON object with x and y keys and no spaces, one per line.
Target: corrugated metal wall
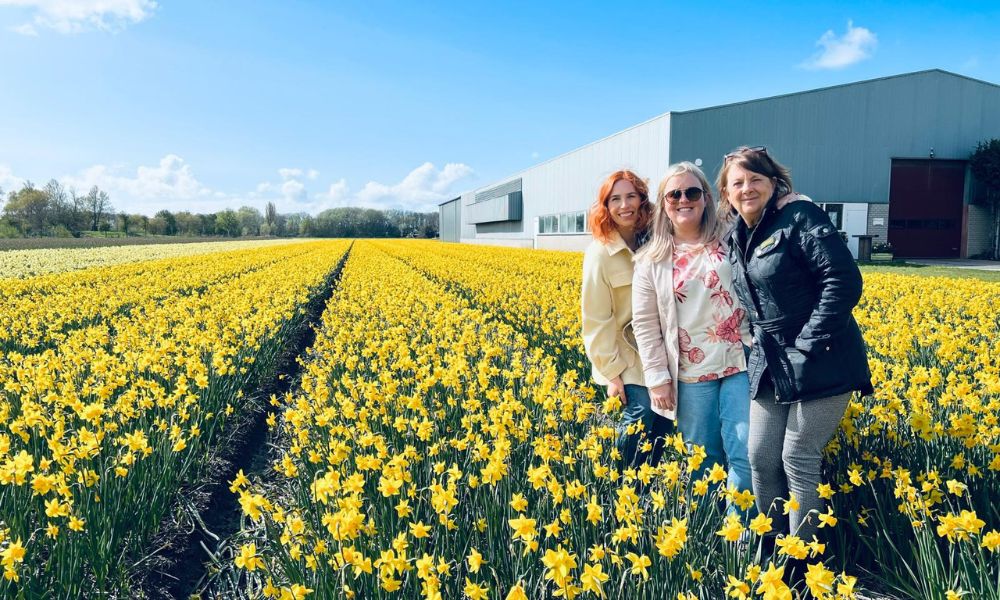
{"x":838,"y":141}
{"x":450,"y":220}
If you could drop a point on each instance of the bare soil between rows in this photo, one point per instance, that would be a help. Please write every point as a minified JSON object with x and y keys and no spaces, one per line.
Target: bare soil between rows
{"x":179,"y":560}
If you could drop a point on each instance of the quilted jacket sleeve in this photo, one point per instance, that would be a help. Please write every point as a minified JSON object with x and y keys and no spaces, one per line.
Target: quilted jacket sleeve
{"x":837,"y":275}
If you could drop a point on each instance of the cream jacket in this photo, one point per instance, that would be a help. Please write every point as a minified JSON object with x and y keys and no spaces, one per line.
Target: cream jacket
{"x":606,"y":307}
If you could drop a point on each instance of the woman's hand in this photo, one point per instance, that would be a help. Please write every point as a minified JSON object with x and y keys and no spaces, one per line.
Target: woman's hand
{"x":617,"y":388}
{"x":663,"y":397}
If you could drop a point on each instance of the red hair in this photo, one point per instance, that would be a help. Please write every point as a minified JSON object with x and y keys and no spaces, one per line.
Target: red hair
{"x":599,"y":218}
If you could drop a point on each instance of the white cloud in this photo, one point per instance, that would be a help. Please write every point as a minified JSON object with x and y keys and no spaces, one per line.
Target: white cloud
{"x":8,"y":181}
{"x":294,"y":191}
{"x":855,"y":45}
{"x":75,"y":16}
{"x":172,"y":185}
{"x":421,"y":190}
{"x":337,"y":195}
{"x":25,"y":29}
{"x":167,"y":185}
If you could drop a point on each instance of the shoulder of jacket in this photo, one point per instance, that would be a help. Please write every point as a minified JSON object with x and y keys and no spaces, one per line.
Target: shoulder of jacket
{"x":594,"y":250}
{"x":804,"y":213}
{"x":809,"y":219}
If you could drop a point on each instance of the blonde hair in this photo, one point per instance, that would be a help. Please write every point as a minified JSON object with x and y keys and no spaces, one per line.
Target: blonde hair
{"x":661,"y":240}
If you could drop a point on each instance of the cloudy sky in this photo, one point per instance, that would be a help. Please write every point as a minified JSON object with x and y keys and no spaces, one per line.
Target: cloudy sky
{"x":194,"y":105}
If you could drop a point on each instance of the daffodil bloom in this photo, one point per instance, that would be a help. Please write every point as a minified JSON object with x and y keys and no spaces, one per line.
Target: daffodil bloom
{"x":731,"y":529}
{"x":640,"y":564}
{"x":761,"y":524}
{"x":827,"y":519}
{"x":248,"y":558}
{"x":593,"y":578}
{"x":475,"y":561}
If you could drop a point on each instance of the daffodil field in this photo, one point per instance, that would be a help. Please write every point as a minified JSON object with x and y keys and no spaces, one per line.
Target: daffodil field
{"x":444,"y":439}
{"x":21,"y":264}
{"x":115,"y":384}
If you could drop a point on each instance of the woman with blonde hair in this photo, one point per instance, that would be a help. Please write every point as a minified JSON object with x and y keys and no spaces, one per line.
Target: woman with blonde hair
{"x":618,"y":220}
{"x":689,"y":328}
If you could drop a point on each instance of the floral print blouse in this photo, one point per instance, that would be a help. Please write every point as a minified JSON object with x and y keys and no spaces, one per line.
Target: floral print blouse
{"x":712,"y":325}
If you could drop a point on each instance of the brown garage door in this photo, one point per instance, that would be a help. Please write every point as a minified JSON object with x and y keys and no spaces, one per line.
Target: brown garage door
{"x":925,"y":207}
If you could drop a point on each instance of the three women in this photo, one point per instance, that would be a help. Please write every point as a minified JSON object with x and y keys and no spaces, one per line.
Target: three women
{"x":796,"y":284}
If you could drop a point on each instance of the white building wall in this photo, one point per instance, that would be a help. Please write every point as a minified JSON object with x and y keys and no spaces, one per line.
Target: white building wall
{"x":569,"y":183}
{"x":855,"y":223}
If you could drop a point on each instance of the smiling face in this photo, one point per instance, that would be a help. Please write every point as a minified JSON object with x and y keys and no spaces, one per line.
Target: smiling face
{"x":686,"y":215}
{"x":747,"y":192}
{"x":623,"y":205}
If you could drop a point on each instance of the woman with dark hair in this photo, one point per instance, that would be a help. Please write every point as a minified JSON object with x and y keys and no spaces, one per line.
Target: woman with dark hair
{"x":797,"y":279}
{"x":618,"y":221}
{"x":690,"y":331}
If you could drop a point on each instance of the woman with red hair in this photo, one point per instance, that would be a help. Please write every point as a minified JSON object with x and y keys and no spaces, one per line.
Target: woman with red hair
{"x":618,"y":220}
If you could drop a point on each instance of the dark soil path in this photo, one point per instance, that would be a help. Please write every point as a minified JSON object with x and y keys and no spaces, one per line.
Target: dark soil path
{"x":180,"y":557}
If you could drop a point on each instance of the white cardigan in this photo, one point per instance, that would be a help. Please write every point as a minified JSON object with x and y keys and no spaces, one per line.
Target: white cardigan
{"x":654,"y":321}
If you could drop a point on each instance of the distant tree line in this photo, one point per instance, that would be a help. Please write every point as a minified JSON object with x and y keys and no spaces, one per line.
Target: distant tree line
{"x":54,"y":211}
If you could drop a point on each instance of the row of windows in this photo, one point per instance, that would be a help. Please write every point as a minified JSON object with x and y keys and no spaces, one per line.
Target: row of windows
{"x":573,"y":222}
{"x":936,"y":224}
{"x":576,"y":222}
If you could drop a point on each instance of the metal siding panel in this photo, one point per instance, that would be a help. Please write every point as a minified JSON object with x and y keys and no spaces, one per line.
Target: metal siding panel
{"x":838,"y":142}
{"x":449,"y":221}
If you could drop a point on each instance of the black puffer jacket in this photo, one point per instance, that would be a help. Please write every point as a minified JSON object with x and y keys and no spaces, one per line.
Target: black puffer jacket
{"x":799,"y":283}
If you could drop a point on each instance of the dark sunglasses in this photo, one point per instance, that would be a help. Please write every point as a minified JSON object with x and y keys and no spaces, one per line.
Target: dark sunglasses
{"x":693,"y":194}
{"x":731,"y":155}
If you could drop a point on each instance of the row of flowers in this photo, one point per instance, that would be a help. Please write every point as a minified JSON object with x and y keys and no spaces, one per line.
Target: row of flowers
{"x":436,"y":450}
{"x":115,"y":386}
{"x":21,"y":264}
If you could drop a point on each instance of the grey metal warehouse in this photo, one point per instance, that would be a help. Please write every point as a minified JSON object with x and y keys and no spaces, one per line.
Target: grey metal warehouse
{"x":885,"y":157}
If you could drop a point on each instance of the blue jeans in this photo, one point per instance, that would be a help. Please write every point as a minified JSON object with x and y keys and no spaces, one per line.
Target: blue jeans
{"x":654,"y":429}
{"x":716,"y":415}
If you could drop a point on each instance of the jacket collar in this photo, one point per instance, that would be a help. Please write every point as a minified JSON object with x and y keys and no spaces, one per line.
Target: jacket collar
{"x":615,"y":244}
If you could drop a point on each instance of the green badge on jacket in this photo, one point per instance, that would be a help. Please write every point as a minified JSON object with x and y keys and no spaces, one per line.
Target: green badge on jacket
{"x":766,"y":244}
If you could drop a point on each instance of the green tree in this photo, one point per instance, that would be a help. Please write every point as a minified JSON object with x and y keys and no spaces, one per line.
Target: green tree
{"x":227,"y":223}
{"x":270,"y":214}
{"x":187,"y":223}
{"x":985,"y":164}
{"x":169,"y":222}
{"x":28,"y":210}
{"x":250,"y":220}
{"x":98,"y":205}
{"x":207,"y":224}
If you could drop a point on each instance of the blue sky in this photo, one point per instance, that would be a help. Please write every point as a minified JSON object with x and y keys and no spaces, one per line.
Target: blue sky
{"x":205,"y":105}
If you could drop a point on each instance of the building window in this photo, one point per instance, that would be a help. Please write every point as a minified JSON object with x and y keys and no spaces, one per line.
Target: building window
{"x":836,"y":214}
{"x":564,"y":223}
{"x":934,"y":224}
